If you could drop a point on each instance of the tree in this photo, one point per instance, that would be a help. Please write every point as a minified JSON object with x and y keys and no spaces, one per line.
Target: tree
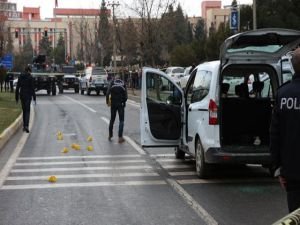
{"x":104,"y":42}
{"x":189,"y":55}
{"x":150,"y":12}
{"x":45,"y":46}
{"x":60,"y":51}
{"x":200,"y":33}
{"x":9,"y":45}
{"x":127,"y":36}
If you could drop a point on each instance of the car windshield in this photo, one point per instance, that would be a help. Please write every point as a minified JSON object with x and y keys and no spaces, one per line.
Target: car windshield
{"x":69,"y":69}
{"x":178,"y":70}
{"x":98,"y":71}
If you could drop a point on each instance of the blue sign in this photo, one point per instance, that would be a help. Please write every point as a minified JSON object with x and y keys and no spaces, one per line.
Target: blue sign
{"x":7,"y":61}
{"x":234,"y":20}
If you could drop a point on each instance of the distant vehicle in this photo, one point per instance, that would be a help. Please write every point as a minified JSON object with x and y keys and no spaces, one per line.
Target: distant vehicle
{"x":215,"y":120}
{"x":186,"y":75}
{"x":175,"y":73}
{"x":69,"y":80}
{"x":95,"y":79}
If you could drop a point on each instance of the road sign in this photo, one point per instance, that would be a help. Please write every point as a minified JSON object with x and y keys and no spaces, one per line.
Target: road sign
{"x":7,"y":61}
{"x":234,"y":20}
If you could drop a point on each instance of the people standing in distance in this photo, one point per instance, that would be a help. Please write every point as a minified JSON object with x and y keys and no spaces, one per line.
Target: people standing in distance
{"x":25,"y":91}
{"x":116,"y":97}
{"x":284,"y":136}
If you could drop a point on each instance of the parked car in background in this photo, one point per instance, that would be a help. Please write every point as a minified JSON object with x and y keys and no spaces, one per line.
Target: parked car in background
{"x":186,"y":75}
{"x":69,"y":79}
{"x":175,"y":73}
{"x":95,"y":79}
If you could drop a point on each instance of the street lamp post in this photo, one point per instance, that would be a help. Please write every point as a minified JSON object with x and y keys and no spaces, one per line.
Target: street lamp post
{"x":254,"y":15}
{"x":114,"y":4}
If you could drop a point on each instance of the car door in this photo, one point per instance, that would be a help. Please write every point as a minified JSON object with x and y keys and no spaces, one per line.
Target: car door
{"x":162,"y":110}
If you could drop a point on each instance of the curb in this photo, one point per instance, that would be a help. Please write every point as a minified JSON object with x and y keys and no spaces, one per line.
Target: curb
{"x":10,"y":131}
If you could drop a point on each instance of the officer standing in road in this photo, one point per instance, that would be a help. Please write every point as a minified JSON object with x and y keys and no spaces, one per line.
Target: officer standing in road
{"x":116,"y":97}
{"x":25,"y":90}
{"x":284,"y":135}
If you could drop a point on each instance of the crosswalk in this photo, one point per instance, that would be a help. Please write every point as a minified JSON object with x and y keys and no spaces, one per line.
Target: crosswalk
{"x":100,"y":171}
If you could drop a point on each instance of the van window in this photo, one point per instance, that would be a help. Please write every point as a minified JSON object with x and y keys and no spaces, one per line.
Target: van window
{"x":159,"y":89}
{"x":201,"y":85}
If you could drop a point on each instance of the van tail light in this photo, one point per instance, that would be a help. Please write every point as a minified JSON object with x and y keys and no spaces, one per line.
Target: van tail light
{"x":213,"y":113}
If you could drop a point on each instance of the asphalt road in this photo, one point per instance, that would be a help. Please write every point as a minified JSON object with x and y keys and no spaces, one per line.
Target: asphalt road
{"x":121,"y":183}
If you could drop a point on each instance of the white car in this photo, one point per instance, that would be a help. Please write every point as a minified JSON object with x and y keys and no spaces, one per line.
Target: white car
{"x":207,"y":121}
{"x":175,"y":73}
{"x":95,"y":79}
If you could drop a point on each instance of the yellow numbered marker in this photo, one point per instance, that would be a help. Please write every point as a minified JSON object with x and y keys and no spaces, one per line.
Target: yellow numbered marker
{"x":89,"y":139}
{"x":65,"y":150}
{"x":52,"y":179}
{"x":59,"y":136}
{"x":90,"y":148}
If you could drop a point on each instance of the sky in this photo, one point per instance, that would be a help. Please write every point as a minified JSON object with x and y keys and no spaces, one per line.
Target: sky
{"x":190,"y":7}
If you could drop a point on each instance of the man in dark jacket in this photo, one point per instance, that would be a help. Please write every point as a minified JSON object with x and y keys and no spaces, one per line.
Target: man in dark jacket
{"x":284,"y":135}
{"x":25,"y":90}
{"x":116,"y":97}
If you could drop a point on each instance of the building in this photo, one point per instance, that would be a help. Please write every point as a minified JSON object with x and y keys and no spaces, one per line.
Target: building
{"x":67,"y":22}
{"x":214,"y":15}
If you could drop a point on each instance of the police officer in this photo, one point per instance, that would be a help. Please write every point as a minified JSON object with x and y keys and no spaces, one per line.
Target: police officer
{"x":116,"y":97}
{"x":25,"y":90}
{"x":285,"y":133}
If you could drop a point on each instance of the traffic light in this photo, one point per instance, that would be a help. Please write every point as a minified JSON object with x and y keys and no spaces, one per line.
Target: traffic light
{"x":17,"y":33}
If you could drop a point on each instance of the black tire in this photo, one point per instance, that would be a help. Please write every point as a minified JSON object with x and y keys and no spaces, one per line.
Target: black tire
{"x":76,"y":90}
{"x":104,"y":92}
{"x":179,"y":154}
{"x":98,"y":92}
{"x":53,"y":90}
{"x":201,"y":165}
{"x":82,"y":92}
{"x":88,"y":92}
{"x":48,"y":91}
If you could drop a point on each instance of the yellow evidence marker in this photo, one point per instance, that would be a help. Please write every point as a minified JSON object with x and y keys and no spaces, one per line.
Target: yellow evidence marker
{"x":89,"y":139}
{"x":90,"y":148}
{"x":65,"y":150}
{"x":52,"y":179}
{"x":75,"y":146}
{"x":60,"y":136}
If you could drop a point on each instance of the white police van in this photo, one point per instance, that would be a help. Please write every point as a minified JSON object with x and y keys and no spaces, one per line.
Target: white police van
{"x":217,"y":119}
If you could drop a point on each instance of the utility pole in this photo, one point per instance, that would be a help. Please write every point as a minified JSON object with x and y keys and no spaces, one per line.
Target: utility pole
{"x":254,"y":15}
{"x":114,"y":5}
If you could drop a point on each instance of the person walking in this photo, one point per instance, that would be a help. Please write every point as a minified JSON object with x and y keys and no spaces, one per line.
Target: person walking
{"x":25,"y":91}
{"x":116,"y":97}
{"x":284,"y":135}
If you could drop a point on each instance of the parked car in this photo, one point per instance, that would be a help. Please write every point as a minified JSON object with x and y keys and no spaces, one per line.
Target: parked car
{"x":175,"y":72}
{"x":206,"y":121}
{"x":95,"y":79}
{"x":184,"y":79}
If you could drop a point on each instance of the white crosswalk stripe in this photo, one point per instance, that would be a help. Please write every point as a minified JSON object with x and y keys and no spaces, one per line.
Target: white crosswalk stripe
{"x":81,"y":171}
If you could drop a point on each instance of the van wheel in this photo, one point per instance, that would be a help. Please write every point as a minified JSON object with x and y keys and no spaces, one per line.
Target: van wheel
{"x":179,"y":154}
{"x":88,"y":92}
{"x":82,"y":92}
{"x":201,"y":166}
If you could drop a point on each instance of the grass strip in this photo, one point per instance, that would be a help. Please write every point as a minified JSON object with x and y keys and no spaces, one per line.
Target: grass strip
{"x":9,"y":110}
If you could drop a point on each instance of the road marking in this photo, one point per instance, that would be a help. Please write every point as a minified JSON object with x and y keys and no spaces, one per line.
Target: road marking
{"x":100,"y":175}
{"x":133,"y":103}
{"x":80,"y":169}
{"x":135,"y":145}
{"x":16,"y":152}
{"x":81,"y":162}
{"x":129,"y":140}
{"x":78,"y":157}
{"x":171,"y":160}
{"x":202,"y":213}
{"x":88,"y":184}
{"x":105,"y":120}
{"x":80,"y":103}
{"x":161,"y":155}
{"x":224,"y":181}
{"x":185,"y":173}
{"x":177,"y":166}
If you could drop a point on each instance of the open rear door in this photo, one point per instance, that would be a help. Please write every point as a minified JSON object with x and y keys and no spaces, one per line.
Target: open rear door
{"x":161,"y":110}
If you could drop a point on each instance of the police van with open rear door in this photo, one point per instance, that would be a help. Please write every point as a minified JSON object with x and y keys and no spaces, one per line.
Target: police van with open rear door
{"x":224,"y":114}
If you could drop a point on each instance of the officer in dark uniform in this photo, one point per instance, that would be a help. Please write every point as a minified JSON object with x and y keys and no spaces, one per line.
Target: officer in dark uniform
{"x":116,"y":97}
{"x":285,"y":133}
{"x":25,"y":90}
